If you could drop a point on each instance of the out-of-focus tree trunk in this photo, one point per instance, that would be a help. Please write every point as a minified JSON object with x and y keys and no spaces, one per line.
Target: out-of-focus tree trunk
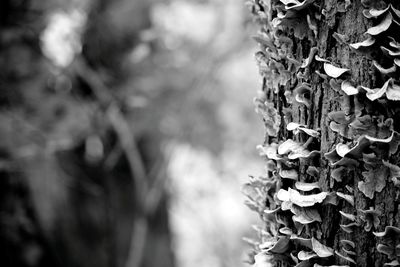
{"x":299,"y":87}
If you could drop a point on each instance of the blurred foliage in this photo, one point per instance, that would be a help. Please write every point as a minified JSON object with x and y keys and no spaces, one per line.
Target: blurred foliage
{"x":92,"y":92}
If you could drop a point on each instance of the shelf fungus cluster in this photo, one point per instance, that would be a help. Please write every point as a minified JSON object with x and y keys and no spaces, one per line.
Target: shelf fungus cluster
{"x":359,"y":162}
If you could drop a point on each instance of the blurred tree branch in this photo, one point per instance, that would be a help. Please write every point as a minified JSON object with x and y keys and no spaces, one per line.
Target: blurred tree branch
{"x":147,"y":197}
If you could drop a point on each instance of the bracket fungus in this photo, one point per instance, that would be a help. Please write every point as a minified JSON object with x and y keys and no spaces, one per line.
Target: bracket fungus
{"x":305,"y":187}
{"x":321,"y":250}
{"x":390,"y":52}
{"x":289,"y":174}
{"x":336,"y":160}
{"x":339,"y":121}
{"x":385,"y":71}
{"x":374,"y":94}
{"x":348,"y":198}
{"x":293,"y":14}
{"x":363,"y":44}
{"x":374,"y":13}
{"x":295,"y":197}
{"x":394,"y":172}
{"x":375,"y":175}
{"x":280,"y":246}
{"x":296,"y":150}
{"x":297,"y":128}
{"x":348,"y":228}
{"x":348,"y":88}
{"x":348,"y":243}
{"x":382,"y":26}
{"x":271,"y":116}
{"x":302,"y":94}
{"x":391,"y":242}
{"x":370,"y":217}
{"x":307,"y":61}
{"x":348,"y":216}
{"x":367,"y":139}
{"x":334,"y":71}
{"x":346,"y":258}
{"x":305,"y":215}
{"x":269,"y":150}
{"x":306,"y":255}
{"x":347,"y":155}
{"x":340,"y":172}
{"x":353,"y":150}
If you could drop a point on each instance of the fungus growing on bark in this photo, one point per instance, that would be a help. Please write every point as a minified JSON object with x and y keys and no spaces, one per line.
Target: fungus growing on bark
{"x":375,"y":175}
{"x":367,"y":43}
{"x":334,"y":71}
{"x":384,"y":71}
{"x":252,"y":193}
{"x":340,"y":123}
{"x":300,"y":200}
{"x":320,"y":59}
{"x":289,"y":174}
{"x":280,"y":246}
{"x":348,"y":216}
{"x":306,"y":255}
{"x":271,"y":116}
{"x":374,"y":13}
{"x":390,"y":245}
{"x":305,"y":215}
{"x":336,"y":160}
{"x":353,"y":150}
{"x":305,"y":187}
{"x":362,"y":133}
{"x":296,"y":150}
{"x":307,"y":61}
{"x":382,"y":26}
{"x":370,"y":217}
{"x":271,"y":212}
{"x":302,"y":94}
{"x":270,"y":166}
{"x":336,"y":84}
{"x":347,"y":155}
{"x":348,"y":198}
{"x":269,"y":150}
{"x":286,"y":231}
{"x":340,"y":172}
{"x":348,"y":228}
{"x":389,"y":52}
{"x":296,"y":128}
{"x":288,"y":16}
{"x":320,"y":249}
{"x":375,"y":128}
{"x":376,"y":93}
{"x":341,"y":38}
{"x":312,"y":171}
{"x":348,"y":243}
{"x":346,"y":258}
{"x":348,"y":88}
{"x":394,"y":172}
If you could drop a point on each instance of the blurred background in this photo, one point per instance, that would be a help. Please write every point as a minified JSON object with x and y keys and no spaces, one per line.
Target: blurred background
{"x":127,"y":128}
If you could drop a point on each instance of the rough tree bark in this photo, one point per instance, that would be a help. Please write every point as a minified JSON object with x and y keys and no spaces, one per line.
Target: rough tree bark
{"x":313,"y":71}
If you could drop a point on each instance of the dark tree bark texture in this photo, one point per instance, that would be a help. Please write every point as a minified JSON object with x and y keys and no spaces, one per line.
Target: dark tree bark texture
{"x":317,"y":75}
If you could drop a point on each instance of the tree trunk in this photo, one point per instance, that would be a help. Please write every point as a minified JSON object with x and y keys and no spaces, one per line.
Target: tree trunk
{"x":344,"y":152}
